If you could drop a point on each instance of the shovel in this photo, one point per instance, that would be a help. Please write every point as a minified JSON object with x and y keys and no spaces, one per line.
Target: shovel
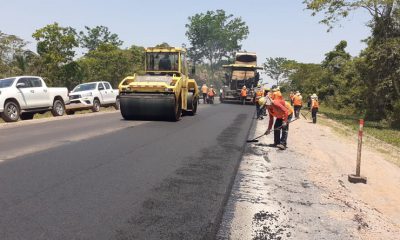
{"x":256,"y":138}
{"x":304,"y":115}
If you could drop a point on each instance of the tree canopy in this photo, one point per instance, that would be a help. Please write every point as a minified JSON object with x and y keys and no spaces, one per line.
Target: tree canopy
{"x":368,"y":83}
{"x":55,"y":43}
{"x":96,"y":36}
{"x":381,"y":11}
{"x":276,"y":68}
{"x":11,"y":49}
{"x":215,"y":35}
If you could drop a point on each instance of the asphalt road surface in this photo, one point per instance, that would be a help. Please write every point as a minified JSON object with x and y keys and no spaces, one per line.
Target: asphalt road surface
{"x":99,"y":177}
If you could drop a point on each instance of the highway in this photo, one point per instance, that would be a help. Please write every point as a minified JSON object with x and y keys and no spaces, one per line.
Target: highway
{"x":96,"y":176}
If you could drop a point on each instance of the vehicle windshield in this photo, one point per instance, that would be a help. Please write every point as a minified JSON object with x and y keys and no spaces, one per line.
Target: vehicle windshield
{"x":160,"y":61}
{"x":84,"y":87}
{"x":7,"y":82}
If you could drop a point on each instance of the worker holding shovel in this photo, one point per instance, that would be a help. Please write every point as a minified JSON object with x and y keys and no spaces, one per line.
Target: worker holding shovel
{"x":276,"y":108}
{"x":314,"y":107}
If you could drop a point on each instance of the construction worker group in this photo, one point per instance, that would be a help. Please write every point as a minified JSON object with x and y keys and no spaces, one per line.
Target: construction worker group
{"x":281,"y":112}
{"x":208,"y":94}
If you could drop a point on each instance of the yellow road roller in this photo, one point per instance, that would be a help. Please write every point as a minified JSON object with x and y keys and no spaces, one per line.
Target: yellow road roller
{"x":164,"y":92}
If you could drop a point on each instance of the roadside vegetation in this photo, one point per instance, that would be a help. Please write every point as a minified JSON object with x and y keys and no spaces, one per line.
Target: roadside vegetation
{"x":352,"y":87}
{"x":378,"y":129}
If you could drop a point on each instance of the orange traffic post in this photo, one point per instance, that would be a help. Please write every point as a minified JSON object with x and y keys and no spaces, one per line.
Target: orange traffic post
{"x":357,"y":178}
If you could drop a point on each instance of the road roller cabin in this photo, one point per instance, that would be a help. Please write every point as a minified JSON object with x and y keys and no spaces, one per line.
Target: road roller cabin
{"x":164,"y":92}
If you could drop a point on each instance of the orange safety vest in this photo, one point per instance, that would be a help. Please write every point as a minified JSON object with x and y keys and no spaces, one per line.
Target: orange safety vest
{"x":289,"y":107}
{"x":278,"y":109}
{"x":259,"y":94}
{"x":297,"y":101}
{"x":204,"y":89}
{"x":211,"y":92}
{"x":277,"y":95}
{"x":243,"y":93}
{"x":315,"y":103}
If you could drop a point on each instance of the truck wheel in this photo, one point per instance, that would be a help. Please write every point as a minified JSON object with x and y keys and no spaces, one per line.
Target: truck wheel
{"x":117,"y":104}
{"x":11,"y":112}
{"x":96,"y":105}
{"x":58,"y":108}
{"x":27,"y":116}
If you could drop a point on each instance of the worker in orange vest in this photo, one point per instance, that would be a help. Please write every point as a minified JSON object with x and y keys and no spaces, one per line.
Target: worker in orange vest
{"x":277,"y":109}
{"x":298,"y":104}
{"x":276,"y":93}
{"x":204,"y":91}
{"x":259,"y":93}
{"x":290,"y":110}
{"x":243,"y":95}
{"x":211,"y":94}
{"x":291,"y":96}
{"x":314,"y":107}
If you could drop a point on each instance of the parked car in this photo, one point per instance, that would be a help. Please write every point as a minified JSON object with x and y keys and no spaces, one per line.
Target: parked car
{"x":93,"y":95}
{"x":23,"y":96}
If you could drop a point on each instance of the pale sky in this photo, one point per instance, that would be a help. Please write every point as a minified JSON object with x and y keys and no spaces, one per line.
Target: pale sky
{"x":278,"y":28}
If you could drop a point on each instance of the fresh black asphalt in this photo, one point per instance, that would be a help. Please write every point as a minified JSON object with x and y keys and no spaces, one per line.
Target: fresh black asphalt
{"x":147,"y":180}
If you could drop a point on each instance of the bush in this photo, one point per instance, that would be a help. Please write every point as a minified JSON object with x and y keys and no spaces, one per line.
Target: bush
{"x":393,"y":117}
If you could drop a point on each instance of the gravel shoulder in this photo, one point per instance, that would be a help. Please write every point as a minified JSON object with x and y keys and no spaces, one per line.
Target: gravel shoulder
{"x":303,"y":192}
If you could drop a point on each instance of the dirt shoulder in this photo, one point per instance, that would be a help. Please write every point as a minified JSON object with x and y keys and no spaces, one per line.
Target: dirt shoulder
{"x":303,"y":192}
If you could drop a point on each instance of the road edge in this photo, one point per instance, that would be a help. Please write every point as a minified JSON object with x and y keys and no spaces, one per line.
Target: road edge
{"x":219,"y":217}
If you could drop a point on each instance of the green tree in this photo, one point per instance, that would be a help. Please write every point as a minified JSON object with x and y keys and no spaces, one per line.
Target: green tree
{"x":163,"y":45}
{"x":276,"y":69}
{"x":380,"y":73}
{"x":336,"y":59}
{"x":24,"y":63}
{"x":96,"y":36}
{"x":56,"y":49}
{"x":213,"y":36}
{"x":378,"y":64}
{"x":136,"y":58}
{"x":308,"y":78}
{"x":381,"y":11}
{"x":107,"y":63}
{"x":11,"y":47}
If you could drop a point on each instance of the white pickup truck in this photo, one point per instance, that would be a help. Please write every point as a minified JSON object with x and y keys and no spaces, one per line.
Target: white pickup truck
{"x":92,"y":95}
{"x":23,"y":96}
